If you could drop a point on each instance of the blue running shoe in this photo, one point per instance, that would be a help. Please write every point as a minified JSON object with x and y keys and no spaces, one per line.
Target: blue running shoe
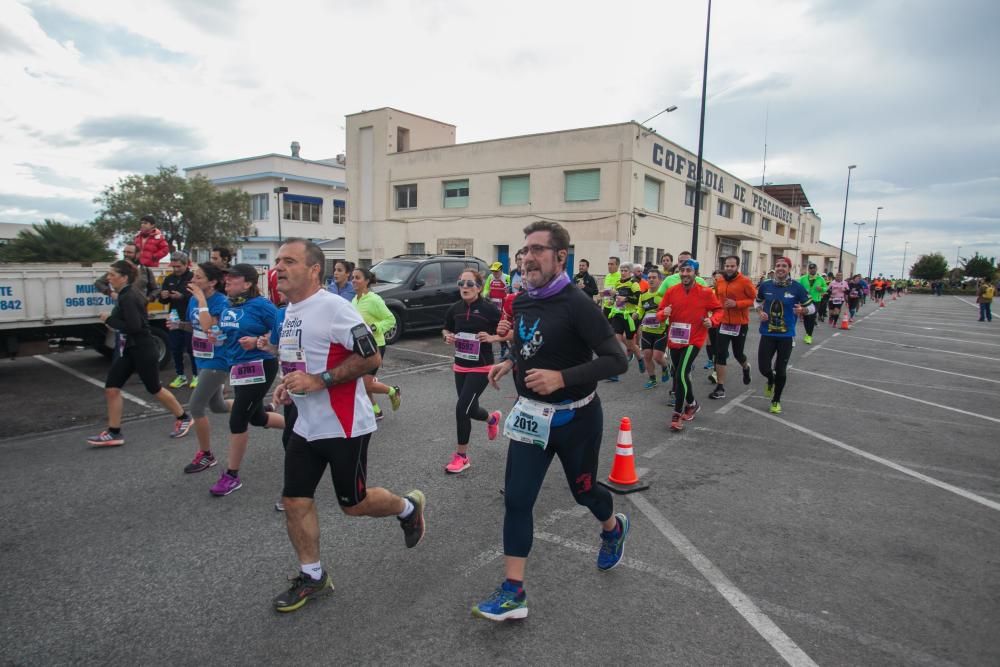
{"x":613,"y":378}
{"x":709,"y":364}
{"x":613,"y":548}
{"x":650,"y":384}
{"x":642,"y":366}
{"x":665,"y":377}
{"x":506,"y":603}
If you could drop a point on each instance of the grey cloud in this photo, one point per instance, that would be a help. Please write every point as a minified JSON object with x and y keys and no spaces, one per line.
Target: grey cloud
{"x":55,"y":139}
{"x":50,"y":176}
{"x":23,"y":208}
{"x":138,"y":129}
{"x":216,"y":16}
{"x":11,"y":43}
{"x":145,"y":161}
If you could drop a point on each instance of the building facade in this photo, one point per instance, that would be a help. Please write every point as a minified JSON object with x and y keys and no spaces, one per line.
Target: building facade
{"x":313,"y":206}
{"x":621,"y":190}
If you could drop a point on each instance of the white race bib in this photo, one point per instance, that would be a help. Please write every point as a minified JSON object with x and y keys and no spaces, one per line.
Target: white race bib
{"x":651,"y":321}
{"x":248,"y":372}
{"x":529,"y":422}
{"x":730,"y":329}
{"x":679,"y":333}
{"x":201,"y":345}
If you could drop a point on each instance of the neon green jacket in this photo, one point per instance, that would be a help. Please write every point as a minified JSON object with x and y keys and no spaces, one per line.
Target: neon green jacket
{"x":675,"y":279}
{"x":376,"y":315}
{"x":817,"y":289}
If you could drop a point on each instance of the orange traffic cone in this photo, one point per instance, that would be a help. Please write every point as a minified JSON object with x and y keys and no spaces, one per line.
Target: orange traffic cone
{"x":623,"y":478}
{"x":881,"y":304}
{"x":845,"y":323}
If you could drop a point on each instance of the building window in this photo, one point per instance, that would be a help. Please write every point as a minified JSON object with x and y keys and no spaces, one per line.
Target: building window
{"x":583,"y":185}
{"x":745,"y":263}
{"x":725,"y":209}
{"x":456,"y":194}
{"x":656,"y":259}
{"x":339,"y":211}
{"x":792,"y":233}
{"x":514,"y":190}
{"x":255,"y":256}
{"x":747,"y":218}
{"x":406,"y":196}
{"x":260,"y":207}
{"x":301,"y":208}
{"x":416,"y":249}
{"x":365,"y":262}
{"x":455,"y":252}
{"x":637,"y":255}
{"x":812,"y":233}
{"x":402,"y":139}
{"x":765,"y":223}
{"x":651,"y":194}
{"x":649,"y":256}
{"x":779,"y":229}
{"x":689,"y":197}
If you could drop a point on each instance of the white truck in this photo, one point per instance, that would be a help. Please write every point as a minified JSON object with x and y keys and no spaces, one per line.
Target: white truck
{"x":59,"y":303}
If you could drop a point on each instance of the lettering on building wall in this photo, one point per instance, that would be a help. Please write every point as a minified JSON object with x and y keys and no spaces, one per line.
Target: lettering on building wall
{"x":739,"y":193}
{"x":681,"y":165}
{"x":770,"y":208}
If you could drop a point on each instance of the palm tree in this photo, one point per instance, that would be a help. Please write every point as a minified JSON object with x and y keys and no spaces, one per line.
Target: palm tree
{"x":57,"y":242}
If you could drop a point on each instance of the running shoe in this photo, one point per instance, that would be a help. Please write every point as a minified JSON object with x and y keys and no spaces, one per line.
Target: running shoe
{"x":226,"y":485}
{"x":650,"y":384}
{"x":775,"y":407}
{"x":413,"y":525}
{"x":507,"y":602}
{"x":665,"y":376}
{"x":690,"y":411}
{"x":178,"y":382}
{"x":202,"y":461}
{"x":106,"y":439}
{"x":769,"y":390}
{"x":709,"y":364}
{"x":642,"y":365}
{"x":457,"y":464}
{"x":194,"y":382}
{"x":613,"y":378}
{"x":677,"y":422}
{"x":807,"y":339}
{"x":181,"y":427}
{"x":746,"y":375}
{"x":303,"y":589}
{"x":713,"y":377}
{"x":631,"y":356}
{"x":279,"y":506}
{"x":613,"y":547}
{"x":718,"y":393}
{"x":395,"y":398}
{"x":378,"y":412}
{"x":493,"y":424}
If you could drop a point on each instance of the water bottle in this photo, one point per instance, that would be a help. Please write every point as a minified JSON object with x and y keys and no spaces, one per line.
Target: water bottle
{"x":220,"y":337}
{"x":173,"y":317}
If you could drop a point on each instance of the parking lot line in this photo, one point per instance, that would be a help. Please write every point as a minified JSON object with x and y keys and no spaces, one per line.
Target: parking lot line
{"x":733,"y":403}
{"x":929,"y":349}
{"x":968,"y":303}
{"x":429,"y":354}
{"x":757,"y":619}
{"x":87,"y":378}
{"x":968,"y":495}
{"x":925,"y":368}
{"x":947,"y":338}
{"x":892,"y":393}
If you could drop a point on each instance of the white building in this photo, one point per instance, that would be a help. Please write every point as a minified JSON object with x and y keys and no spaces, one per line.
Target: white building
{"x":620,"y":190}
{"x":314,"y":204}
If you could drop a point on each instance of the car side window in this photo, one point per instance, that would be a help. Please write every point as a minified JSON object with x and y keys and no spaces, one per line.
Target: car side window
{"x":431,"y":274}
{"x":451,"y":271}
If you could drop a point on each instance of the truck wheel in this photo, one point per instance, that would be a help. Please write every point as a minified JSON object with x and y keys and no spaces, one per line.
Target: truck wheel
{"x":162,"y":346}
{"x":395,"y":333}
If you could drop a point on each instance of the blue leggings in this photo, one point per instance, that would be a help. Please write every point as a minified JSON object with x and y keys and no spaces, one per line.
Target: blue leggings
{"x":578,"y":445}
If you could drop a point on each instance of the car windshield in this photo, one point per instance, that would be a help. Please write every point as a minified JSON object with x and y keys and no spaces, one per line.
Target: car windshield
{"x":393,"y":272}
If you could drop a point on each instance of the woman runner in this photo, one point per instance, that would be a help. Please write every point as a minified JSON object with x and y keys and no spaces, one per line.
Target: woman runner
{"x":379,"y":319}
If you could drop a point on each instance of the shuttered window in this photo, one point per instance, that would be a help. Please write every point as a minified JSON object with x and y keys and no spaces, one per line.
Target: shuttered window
{"x":514,"y":190}
{"x":583,"y":185}
{"x":651,"y":194}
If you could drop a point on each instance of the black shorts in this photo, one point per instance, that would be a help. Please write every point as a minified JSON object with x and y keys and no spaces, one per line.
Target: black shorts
{"x":623,"y":325}
{"x":305,"y":463}
{"x":654,"y":341}
{"x":722,"y":342}
{"x":381,"y":352}
{"x":141,"y":358}
{"x":836,"y":306}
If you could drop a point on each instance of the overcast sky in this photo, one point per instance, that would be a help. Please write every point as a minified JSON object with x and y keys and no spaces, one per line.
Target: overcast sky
{"x":908,"y":91}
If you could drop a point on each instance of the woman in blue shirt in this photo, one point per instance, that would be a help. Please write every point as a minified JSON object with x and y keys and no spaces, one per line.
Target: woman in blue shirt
{"x":342,"y":285}
{"x":252,"y":370}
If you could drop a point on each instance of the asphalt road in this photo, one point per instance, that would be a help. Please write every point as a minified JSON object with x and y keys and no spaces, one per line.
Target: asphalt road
{"x":859,"y":527}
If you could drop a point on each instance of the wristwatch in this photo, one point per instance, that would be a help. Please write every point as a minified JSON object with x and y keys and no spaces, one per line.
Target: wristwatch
{"x":326,"y":378}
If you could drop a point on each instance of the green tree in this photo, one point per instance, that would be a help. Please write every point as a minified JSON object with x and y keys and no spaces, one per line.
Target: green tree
{"x":56,"y":242}
{"x":929,"y":267}
{"x":191,"y":212}
{"x":979,"y":267}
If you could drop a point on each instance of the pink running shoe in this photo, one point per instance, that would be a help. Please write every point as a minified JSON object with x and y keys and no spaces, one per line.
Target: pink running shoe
{"x":458,"y":464}
{"x":493,"y":424}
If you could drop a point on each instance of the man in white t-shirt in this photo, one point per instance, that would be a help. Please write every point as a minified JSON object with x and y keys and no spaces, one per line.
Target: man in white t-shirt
{"x":325,"y":349}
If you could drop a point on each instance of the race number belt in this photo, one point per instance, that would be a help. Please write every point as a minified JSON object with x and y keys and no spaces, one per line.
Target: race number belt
{"x":531,"y":421}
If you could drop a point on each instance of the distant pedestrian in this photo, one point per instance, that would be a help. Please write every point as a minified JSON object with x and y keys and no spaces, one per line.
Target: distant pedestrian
{"x":221,"y":257}
{"x":150,"y":243}
{"x":984,"y":297}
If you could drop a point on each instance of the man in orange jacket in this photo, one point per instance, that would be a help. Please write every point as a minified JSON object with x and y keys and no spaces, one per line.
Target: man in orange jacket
{"x":692,"y":310}
{"x":736,"y":293}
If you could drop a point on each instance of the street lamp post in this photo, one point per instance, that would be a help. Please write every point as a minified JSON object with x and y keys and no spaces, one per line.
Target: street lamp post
{"x":281,"y":189}
{"x":843,"y":226}
{"x":857,"y":242}
{"x":905,"y":247}
{"x":871,"y":261}
{"x":701,"y":140}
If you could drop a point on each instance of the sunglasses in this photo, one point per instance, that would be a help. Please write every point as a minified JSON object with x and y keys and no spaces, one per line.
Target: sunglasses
{"x":467,"y":283}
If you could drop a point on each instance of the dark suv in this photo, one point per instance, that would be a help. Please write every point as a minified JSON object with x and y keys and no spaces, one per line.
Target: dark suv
{"x":418,"y":289}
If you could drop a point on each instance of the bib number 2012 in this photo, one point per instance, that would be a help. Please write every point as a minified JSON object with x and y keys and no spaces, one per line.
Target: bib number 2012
{"x":526,"y":424}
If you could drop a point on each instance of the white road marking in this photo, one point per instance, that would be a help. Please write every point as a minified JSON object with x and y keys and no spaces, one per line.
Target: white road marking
{"x":968,"y":303}
{"x":733,"y":403}
{"x":903,"y":363}
{"x":950,"y":339}
{"x":757,"y":619}
{"x":415,"y":369}
{"x":929,"y":349}
{"x":892,"y":393}
{"x":96,"y":383}
{"x":429,"y":354}
{"x":730,"y":434}
{"x":968,"y":495}
{"x":966,"y":332}
{"x":819,"y":345}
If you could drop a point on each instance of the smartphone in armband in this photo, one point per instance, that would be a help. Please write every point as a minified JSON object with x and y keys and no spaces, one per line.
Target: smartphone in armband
{"x":364,"y":341}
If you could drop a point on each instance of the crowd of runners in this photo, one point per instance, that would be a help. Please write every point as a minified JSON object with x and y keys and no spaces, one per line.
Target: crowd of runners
{"x":320,"y":348}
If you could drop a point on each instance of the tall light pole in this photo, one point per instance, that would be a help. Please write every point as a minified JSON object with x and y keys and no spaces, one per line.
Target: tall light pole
{"x":905,"y":247}
{"x":957,"y":258}
{"x":281,"y":189}
{"x":701,"y":140}
{"x":857,"y":242}
{"x":843,"y":226}
{"x":871,"y":261}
